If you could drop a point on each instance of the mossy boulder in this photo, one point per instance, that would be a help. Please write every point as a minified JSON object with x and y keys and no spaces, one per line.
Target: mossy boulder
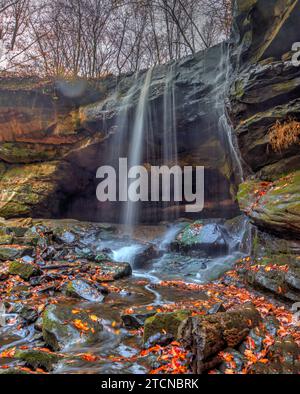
{"x":62,"y":327}
{"x":81,"y":289}
{"x":273,"y":205}
{"x":164,"y":323}
{"x":207,"y":238}
{"x":37,"y":359}
{"x":24,"y":270}
{"x":272,"y":282}
{"x":31,"y":189}
{"x":12,"y":252}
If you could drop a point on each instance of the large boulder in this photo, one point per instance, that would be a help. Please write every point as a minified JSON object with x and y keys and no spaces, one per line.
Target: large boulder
{"x":26,"y":189}
{"x":62,"y":326}
{"x":205,"y":238}
{"x":273,"y":205}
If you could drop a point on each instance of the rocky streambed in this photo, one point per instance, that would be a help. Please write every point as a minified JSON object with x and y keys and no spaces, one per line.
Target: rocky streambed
{"x":89,"y":298}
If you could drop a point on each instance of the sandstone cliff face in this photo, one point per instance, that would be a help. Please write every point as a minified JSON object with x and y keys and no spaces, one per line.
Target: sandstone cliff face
{"x":55,"y":134}
{"x":266,"y":89}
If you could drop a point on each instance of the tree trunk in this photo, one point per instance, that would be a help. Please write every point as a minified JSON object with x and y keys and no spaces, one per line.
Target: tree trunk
{"x":206,"y":336}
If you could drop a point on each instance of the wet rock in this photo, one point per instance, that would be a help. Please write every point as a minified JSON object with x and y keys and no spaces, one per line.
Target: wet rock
{"x":219,"y":307}
{"x":159,"y":339}
{"x":84,"y":290}
{"x":283,"y":358}
{"x":273,"y":282}
{"x":33,"y":237}
{"x":237,"y":358}
{"x":12,"y":252}
{"x":113,"y":270}
{"x":209,"y":239}
{"x":102,"y":257}
{"x":37,"y":359}
{"x":137,"y":318}
{"x":149,"y":253}
{"x":293,"y":278}
{"x":38,"y":325}
{"x":274,"y":205}
{"x":85,"y":253}
{"x":61,"y":327}
{"x":29,"y":314}
{"x":24,"y":270}
{"x":164,"y":323}
{"x":65,"y":237}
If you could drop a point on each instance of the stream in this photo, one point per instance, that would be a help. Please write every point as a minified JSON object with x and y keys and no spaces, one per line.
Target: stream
{"x":138,"y":291}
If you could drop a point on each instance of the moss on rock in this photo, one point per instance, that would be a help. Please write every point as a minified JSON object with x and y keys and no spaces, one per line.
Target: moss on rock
{"x":274,"y":206}
{"x":24,"y":270}
{"x":12,"y":252}
{"x":164,"y":322}
{"x":61,"y":327}
{"x":37,"y":359}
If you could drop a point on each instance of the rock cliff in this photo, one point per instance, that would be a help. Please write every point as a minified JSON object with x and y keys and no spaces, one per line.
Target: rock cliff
{"x":265,"y":94}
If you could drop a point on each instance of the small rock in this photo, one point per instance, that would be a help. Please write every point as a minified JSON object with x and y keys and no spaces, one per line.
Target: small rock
{"x":149,"y":253}
{"x":24,"y":270}
{"x":29,"y":314}
{"x":159,"y":339}
{"x":293,"y":278}
{"x":37,"y":359}
{"x":113,"y":271}
{"x":164,"y":323}
{"x":138,"y":318}
{"x":66,"y":237}
{"x":82,"y":289}
{"x":12,"y":252}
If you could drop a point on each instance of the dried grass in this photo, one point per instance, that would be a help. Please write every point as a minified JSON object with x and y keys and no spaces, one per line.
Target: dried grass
{"x":282,"y":135}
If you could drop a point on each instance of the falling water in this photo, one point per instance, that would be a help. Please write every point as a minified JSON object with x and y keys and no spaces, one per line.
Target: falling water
{"x":135,"y":154}
{"x":169,"y":132}
{"x":225,"y":126}
{"x":170,"y":150}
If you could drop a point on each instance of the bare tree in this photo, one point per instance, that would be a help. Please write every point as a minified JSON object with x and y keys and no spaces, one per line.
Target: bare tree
{"x":91,"y":38}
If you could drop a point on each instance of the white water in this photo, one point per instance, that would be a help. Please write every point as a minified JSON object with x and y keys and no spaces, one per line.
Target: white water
{"x":127,"y":253}
{"x":225,"y":127}
{"x":136,"y":150}
{"x":170,"y":127}
{"x":170,"y":149}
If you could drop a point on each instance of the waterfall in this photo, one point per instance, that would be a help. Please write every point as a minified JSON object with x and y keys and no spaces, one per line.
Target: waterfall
{"x":169,"y":149}
{"x":169,"y":120}
{"x":135,"y":154}
{"x":224,"y":124}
